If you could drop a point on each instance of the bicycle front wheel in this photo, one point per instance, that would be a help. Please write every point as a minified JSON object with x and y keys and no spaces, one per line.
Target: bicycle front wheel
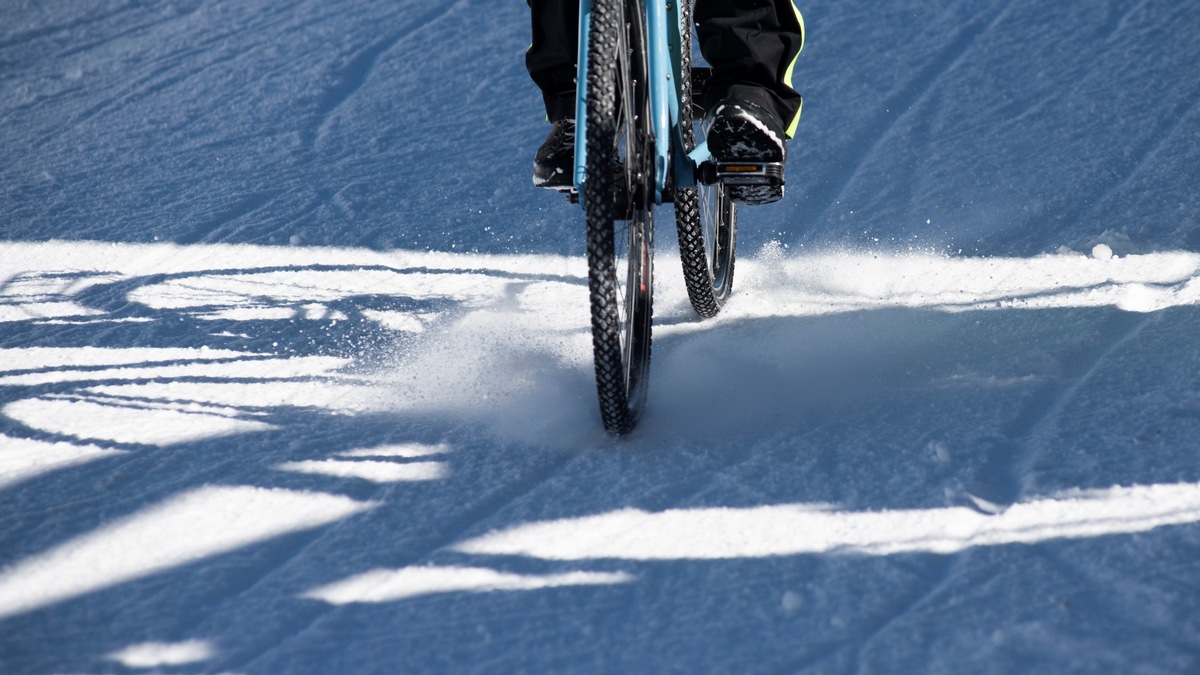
{"x":619,"y":203}
{"x":705,"y":216}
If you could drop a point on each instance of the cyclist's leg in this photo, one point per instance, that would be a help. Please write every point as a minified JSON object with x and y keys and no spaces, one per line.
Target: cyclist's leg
{"x":552,"y":54}
{"x":752,"y":107}
{"x":752,"y":46}
{"x":551,"y":63}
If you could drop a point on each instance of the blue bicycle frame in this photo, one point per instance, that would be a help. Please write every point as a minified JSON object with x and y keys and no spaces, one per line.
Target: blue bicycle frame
{"x":663,"y":45}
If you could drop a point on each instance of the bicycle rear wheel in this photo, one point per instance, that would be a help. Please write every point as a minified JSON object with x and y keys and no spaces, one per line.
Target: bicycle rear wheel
{"x":705,"y":217}
{"x":618,"y":203}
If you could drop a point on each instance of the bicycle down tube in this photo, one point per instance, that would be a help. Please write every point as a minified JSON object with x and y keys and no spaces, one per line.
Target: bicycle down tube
{"x":661,"y":16}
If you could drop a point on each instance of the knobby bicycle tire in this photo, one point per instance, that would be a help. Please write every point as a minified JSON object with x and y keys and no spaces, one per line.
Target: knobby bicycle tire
{"x":618,"y":204}
{"x":705,"y":217}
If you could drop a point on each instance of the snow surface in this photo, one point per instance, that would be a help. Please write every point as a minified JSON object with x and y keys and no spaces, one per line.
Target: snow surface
{"x":295,"y":368}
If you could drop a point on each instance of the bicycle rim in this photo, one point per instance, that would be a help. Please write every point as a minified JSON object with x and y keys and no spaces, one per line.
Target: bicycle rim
{"x":619,"y":202}
{"x":705,"y":217}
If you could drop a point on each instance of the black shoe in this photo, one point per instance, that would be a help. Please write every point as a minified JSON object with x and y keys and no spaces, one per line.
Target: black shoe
{"x":554,"y":164}
{"x":747,"y":144}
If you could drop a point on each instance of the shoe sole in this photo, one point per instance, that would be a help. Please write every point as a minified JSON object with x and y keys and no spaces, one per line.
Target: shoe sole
{"x":744,"y":139}
{"x":559,"y":181}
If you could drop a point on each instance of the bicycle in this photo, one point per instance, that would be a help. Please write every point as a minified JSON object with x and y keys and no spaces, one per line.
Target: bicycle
{"x":638,"y":148}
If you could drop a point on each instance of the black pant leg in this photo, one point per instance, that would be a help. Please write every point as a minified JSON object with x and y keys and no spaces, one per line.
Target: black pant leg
{"x":551,"y":58}
{"x":752,"y":46}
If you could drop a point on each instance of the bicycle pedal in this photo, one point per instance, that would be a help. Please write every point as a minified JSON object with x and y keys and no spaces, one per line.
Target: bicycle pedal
{"x":750,"y":173}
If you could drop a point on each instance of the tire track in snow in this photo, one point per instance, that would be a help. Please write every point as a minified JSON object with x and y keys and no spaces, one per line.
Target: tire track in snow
{"x":291,"y":548}
{"x":1116,"y":20}
{"x":900,"y":105}
{"x":121,"y":35}
{"x":932,"y":580}
{"x":859,"y":640}
{"x":1000,"y":482}
{"x":212,"y":229}
{"x":28,"y":36}
{"x":195,"y":59}
{"x":351,"y":77}
{"x":301,"y":621}
{"x":160,"y":78}
{"x":1111,"y":606}
{"x":705,"y":473}
{"x":233,"y":594}
{"x":1183,"y":113}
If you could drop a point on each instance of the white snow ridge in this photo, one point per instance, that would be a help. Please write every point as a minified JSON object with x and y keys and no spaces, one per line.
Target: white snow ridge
{"x":160,"y":654}
{"x":792,"y":529}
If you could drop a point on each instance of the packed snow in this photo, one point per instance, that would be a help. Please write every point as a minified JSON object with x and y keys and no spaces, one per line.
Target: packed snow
{"x":295,"y":369}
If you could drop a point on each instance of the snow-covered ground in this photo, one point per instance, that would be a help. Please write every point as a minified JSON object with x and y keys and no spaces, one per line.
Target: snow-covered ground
{"x":295,"y":370}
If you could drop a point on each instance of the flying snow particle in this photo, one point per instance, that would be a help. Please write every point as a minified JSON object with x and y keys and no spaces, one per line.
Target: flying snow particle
{"x":1102,"y":252}
{"x":791,"y":602}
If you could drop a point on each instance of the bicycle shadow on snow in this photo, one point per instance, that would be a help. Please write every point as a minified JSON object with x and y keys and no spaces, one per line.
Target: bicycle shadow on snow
{"x":209,"y":424}
{"x":392,"y":428}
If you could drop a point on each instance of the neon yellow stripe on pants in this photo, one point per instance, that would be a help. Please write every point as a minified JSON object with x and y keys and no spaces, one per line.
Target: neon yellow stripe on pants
{"x":787,"y":75}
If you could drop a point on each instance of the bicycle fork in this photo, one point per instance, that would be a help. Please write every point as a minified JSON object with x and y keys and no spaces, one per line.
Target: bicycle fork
{"x":672,"y":169}
{"x":663,"y":69}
